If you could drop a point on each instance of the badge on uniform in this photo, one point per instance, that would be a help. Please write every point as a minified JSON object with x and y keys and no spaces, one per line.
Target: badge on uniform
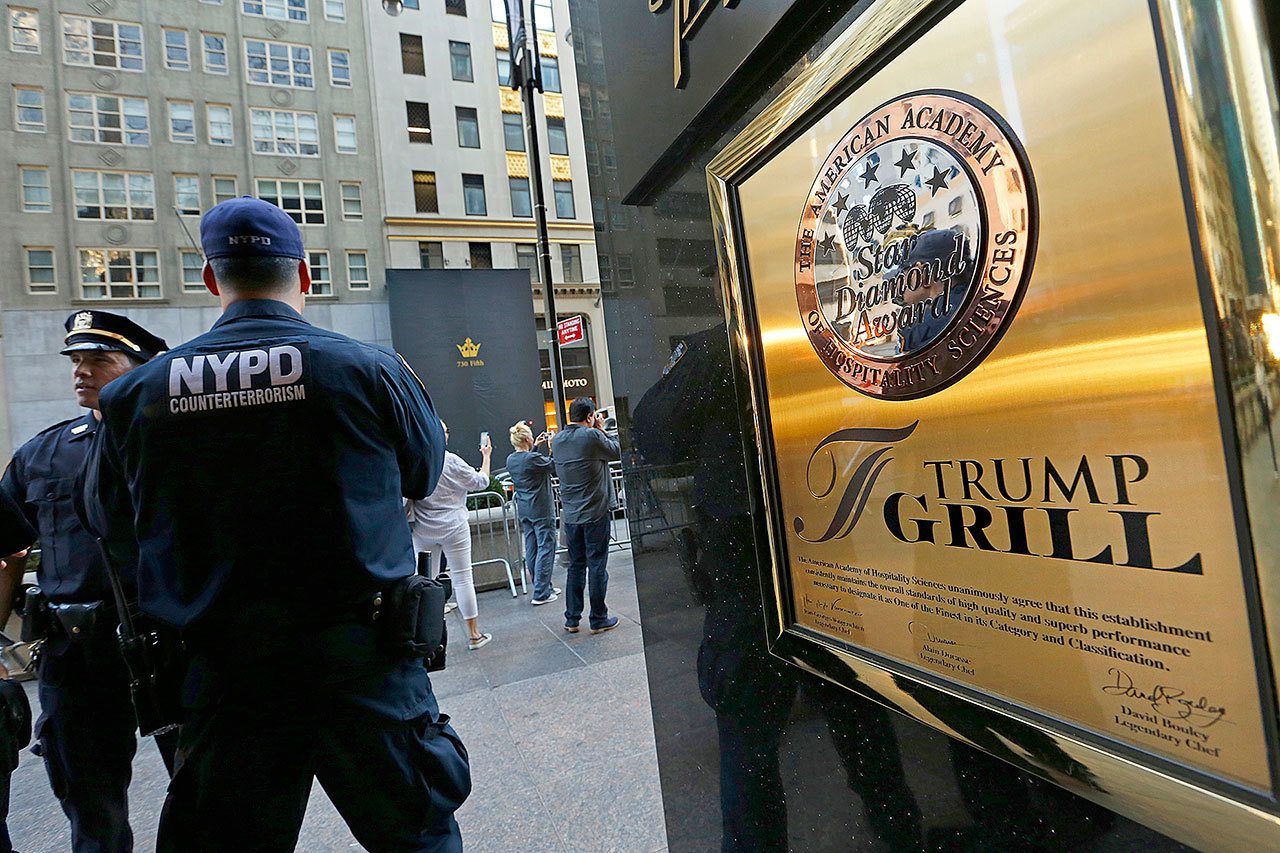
{"x":676,"y":355}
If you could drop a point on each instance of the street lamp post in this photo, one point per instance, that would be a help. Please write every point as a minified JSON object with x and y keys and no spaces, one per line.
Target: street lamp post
{"x":544,"y":254}
{"x":525,"y":76}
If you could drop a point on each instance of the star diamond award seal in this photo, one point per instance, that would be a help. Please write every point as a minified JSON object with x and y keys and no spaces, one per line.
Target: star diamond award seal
{"x":915,"y":245}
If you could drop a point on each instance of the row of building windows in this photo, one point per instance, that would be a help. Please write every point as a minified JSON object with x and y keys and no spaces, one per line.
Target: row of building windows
{"x":289,"y":10}
{"x":613,"y":216}
{"x":548,"y":65}
{"x":480,"y":257}
{"x":595,"y":155}
{"x":120,"y":273}
{"x":497,"y":10}
{"x":426,"y":197}
{"x":129,"y":273}
{"x":96,"y":43}
{"x":118,"y":44}
{"x":124,"y":120}
{"x":616,"y":271}
{"x":336,"y":10}
{"x":413,"y":61}
{"x":418,"y":121}
{"x":102,"y":194}
{"x":542,"y":13}
{"x":413,"y":58}
{"x":105,"y":195}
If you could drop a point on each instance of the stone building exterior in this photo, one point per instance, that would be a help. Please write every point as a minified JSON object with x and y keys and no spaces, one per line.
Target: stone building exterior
{"x":125,"y":119}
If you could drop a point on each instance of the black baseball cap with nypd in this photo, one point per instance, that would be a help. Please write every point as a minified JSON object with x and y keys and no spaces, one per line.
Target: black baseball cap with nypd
{"x":102,"y":330}
{"x":249,"y":227}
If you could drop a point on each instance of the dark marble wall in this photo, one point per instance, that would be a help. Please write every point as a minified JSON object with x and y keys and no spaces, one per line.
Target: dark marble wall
{"x":753,"y":753}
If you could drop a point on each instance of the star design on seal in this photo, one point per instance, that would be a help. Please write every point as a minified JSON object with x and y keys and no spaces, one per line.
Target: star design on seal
{"x":827,"y":244}
{"x":840,"y":205}
{"x":938,"y":181}
{"x":906,"y":162}
{"x":869,"y":174}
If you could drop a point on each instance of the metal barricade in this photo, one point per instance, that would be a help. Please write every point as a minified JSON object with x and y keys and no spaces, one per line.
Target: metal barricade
{"x":495,"y":530}
{"x":619,"y":528}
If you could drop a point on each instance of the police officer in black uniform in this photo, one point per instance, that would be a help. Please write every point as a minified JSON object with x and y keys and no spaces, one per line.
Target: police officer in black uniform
{"x":265,"y":462}
{"x":87,"y":729}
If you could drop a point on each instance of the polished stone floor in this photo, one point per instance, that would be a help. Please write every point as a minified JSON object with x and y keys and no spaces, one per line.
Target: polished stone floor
{"x":558,"y":727}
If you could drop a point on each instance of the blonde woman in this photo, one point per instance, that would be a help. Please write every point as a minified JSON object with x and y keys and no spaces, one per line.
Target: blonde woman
{"x":442,"y":526}
{"x":530,"y":468}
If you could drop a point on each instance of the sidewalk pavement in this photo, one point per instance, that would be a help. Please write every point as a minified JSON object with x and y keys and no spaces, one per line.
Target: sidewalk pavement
{"x":558,"y":726}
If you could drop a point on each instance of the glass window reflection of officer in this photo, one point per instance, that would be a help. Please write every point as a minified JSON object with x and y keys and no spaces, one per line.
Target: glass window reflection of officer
{"x":86,"y":730}
{"x":265,"y":461}
{"x":691,"y":416}
{"x":934,"y":250}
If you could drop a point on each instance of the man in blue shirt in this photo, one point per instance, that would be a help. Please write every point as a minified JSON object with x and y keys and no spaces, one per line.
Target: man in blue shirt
{"x":258,"y":471}
{"x":87,"y":728}
{"x":582,"y":454}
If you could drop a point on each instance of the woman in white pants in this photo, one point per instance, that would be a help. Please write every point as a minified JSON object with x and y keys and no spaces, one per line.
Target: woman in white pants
{"x":441,"y":526}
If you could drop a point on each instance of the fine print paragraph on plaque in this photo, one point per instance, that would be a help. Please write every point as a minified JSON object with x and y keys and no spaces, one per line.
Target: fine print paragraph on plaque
{"x":948,"y":622}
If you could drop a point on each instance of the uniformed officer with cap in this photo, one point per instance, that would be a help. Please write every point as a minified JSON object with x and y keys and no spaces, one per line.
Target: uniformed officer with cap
{"x":265,"y":462}
{"x":87,"y":728}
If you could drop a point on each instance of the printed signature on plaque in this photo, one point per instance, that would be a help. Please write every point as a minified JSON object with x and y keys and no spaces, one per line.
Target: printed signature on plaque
{"x":921,"y":631}
{"x":837,"y":605}
{"x":1172,"y":703}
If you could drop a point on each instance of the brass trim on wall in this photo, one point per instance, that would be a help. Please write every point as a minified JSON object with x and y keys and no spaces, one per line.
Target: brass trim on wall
{"x":1240,"y":289}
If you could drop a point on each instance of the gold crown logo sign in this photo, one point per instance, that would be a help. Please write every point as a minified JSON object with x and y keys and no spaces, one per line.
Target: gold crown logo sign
{"x":468,"y":349}
{"x":83,"y":320}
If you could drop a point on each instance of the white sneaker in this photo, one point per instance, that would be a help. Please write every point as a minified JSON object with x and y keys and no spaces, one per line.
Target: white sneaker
{"x":554,"y":596}
{"x":450,"y":606}
{"x":479,"y":641}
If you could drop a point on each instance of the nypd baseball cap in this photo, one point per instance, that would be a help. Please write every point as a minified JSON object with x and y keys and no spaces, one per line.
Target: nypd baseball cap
{"x":248,"y":227}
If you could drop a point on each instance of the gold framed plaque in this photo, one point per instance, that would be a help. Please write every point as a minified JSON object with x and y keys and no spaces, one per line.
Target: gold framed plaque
{"x":1011,"y":336}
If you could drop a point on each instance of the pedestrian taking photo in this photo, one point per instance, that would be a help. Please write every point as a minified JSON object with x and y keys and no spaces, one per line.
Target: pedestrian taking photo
{"x":530,"y":469}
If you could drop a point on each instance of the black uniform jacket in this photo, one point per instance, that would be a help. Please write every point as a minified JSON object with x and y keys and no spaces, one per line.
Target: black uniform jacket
{"x":263,"y":461}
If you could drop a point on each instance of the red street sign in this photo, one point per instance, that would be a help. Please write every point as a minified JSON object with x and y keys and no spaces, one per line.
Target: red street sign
{"x":570,"y":330}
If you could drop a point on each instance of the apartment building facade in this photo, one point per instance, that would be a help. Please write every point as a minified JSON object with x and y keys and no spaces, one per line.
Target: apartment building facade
{"x":126,"y":119}
{"x":455,"y":165}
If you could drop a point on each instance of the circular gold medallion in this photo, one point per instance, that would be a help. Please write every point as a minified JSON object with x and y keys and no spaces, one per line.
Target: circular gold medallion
{"x":915,"y":244}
